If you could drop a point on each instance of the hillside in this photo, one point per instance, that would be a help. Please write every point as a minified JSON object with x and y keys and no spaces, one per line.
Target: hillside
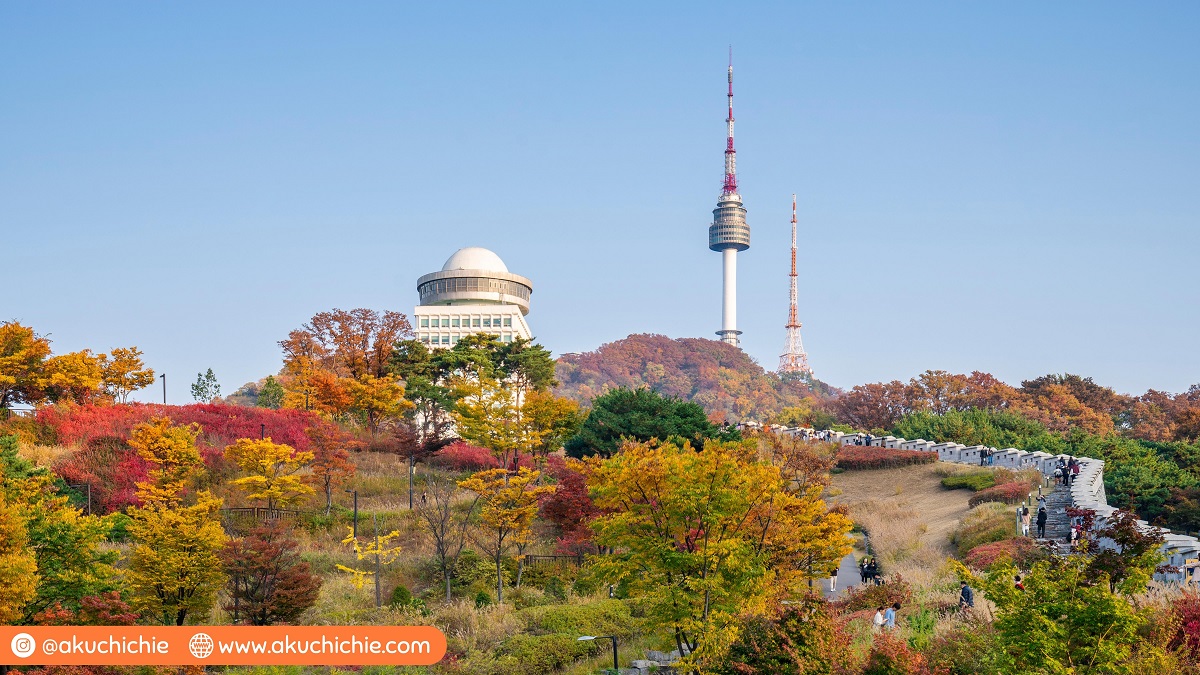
{"x":721,"y":378}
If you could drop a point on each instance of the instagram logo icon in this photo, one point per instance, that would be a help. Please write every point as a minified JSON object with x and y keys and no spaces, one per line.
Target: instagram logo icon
{"x":23,"y":645}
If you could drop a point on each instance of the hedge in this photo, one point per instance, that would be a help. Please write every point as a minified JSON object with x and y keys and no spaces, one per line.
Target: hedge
{"x":858,"y":457}
{"x":980,"y":480}
{"x":1008,"y":493}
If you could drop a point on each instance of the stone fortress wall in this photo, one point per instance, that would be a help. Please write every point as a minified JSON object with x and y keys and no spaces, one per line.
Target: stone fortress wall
{"x":1087,"y":492}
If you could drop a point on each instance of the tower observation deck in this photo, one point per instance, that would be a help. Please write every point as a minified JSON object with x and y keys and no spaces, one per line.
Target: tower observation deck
{"x":729,"y":232}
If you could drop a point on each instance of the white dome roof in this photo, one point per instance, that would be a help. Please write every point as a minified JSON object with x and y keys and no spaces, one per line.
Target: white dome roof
{"x":475,"y":258}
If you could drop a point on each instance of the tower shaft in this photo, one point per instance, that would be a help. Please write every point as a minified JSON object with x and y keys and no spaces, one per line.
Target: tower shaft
{"x":729,"y":232}
{"x":793,"y":359}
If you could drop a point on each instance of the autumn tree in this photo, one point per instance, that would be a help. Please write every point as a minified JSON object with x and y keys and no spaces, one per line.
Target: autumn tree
{"x":570,"y":507}
{"x":639,"y":415}
{"x":18,"y":565}
{"x":378,"y":550}
{"x":74,"y":377}
{"x":268,"y":583}
{"x":873,"y":406}
{"x":175,"y":568}
{"x":122,"y":373}
{"x":272,"y":471}
{"x":704,"y":536}
{"x":553,"y":419}
{"x":67,"y":546}
{"x":331,"y":465}
{"x":377,"y":399}
{"x":23,"y":354}
{"x":490,"y":416}
{"x":805,"y":464}
{"x":447,"y":525}
{"x":206,"y":387}
{"x":509,"y":504}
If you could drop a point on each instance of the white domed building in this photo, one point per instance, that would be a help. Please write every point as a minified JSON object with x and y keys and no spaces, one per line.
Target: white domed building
{"x":473,"y":293}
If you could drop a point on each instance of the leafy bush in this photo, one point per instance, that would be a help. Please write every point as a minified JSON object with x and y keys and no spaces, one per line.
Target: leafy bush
{"x":968,"y":649}
{"x":483,"y":599}
{"x":983,"y":525}
{"x":805,"y":639}
{"x":870,"y":596}
{"x":601,"y":617}
{"x":1008,"y":493}
{"x":1022,"y":551}
{"x":555,"y":588}
{"x":463,"y":457}
{"x":537,"y":654}
{"x":401,"y":596}
{"x":976,"y":481}
{"x":890,"y":655}
{"x":118,"y":526}
{"x":854,"y":457}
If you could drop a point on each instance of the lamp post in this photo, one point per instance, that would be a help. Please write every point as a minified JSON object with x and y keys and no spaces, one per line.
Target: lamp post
{"x":616,"y":664}
{"x":262,"y":432}
{"x":410,"y":480}
{"x":164,"y":379}
{"x":355,"y":530}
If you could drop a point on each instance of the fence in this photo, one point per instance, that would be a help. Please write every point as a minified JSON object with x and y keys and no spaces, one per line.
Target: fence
{"x":534,"y":560}
{"x":242,"y":514}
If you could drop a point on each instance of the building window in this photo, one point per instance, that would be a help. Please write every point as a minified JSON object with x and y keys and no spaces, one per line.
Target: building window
{"x":454,"y":322}
{"x":445,"y":322}
{"x":424,"y":322}
{"x":445,"y":339}
{"x":475,"y":322}
{"x":487,"y":322}
{"x":508,"y":322}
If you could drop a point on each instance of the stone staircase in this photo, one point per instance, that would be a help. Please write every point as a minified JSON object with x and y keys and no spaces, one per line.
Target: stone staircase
{"x":1058,"y":525}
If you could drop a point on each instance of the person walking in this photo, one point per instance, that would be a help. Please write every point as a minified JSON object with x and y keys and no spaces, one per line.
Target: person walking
{"x":862,"y":569}
{"x":1042,"y":517}
{"x":1074,"y":472}
{"x":966,"y":597}
{"x":1025,"y":521}
{"x":877,"y":622}
{"x":833,"y":572}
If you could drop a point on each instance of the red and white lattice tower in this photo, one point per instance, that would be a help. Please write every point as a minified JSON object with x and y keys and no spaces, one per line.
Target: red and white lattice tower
{"x":793,"y":359}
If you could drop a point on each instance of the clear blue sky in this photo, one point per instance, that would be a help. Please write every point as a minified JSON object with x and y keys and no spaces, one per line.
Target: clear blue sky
{"x":1012,"y":188}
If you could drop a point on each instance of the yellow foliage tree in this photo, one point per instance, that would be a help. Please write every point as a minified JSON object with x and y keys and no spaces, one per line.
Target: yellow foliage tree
{"x":377,"y":399}
{"x":18,"y":565}
{"x":175,"y":568}
{"x":123,"y":372}
{"x":380,"y":549}
{"x":510,"y":503}
{"x":74,"y":377}
{"x":272,"y":471}
{"x":489,"y":415}
{"x":704,"y":537}
{"x":173,"y":457}
{"x":22,"y":359}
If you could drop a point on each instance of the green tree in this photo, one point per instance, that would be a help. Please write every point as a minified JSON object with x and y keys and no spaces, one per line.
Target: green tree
{"x":1067,"y":620}
{"x":206,"y":387}
{"x":270,"y":395}
{"x":68,"y":547}
{"x":639,"y":415}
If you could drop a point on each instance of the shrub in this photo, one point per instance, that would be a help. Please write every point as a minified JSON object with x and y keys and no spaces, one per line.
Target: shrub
{"x":892,"y":656}
{"x":1008,"y":493}
{"x":854,"y":457}
{"x":602,"y":617}
{"x":537,"y":654}
{"x":401,"y":596}
{"x":869,"y":596}
{"x":118,"y":527}
{"x":483,"y":599}
{"x":806,"y":638}
{"x":1022,"y":551}
{"x":967,"y":649}
{"x":463,"y":457}
{"x":980,"y":480}
{"x":983,"y":525}
{"x":556,"y":588}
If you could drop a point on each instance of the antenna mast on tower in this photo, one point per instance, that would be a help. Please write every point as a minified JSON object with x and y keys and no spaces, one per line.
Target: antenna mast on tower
{"x":793,"y":359}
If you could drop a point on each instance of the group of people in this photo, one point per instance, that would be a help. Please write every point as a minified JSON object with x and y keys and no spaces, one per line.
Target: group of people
{"x":1066,"y":471}
{"x":868,"y":570}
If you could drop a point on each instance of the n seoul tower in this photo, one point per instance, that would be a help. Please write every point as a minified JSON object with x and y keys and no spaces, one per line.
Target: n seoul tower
{"x":729,"y":232}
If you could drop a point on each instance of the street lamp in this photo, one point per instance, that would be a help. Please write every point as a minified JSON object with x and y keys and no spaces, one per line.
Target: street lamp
{"x":616,"y":664}
{"x":262,"y":432}
{"x":355,"y":530}
{"x":164,"y":379}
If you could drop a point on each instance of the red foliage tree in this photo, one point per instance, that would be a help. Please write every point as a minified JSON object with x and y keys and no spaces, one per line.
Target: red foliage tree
{"x":111,"y":467}
{"x":570,"y":507}
{"x":268,"y":583}
{"x":106,"y":609}
{"x":331,"y":465}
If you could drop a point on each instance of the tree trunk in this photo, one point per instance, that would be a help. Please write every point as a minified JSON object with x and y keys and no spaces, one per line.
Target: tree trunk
{"x":447,"y":577}
{"x":499,"y":581}
{"x":520,"y":569}
{"x":328,"y":499}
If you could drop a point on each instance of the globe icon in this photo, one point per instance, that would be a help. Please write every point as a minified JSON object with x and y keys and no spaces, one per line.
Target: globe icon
{"x":201,"y":645}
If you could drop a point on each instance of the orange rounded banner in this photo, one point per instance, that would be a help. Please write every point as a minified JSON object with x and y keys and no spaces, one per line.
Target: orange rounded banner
{"x":221,"y":645}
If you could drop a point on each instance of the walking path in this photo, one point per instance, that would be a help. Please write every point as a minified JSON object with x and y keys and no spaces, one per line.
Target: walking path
{"x":847,"y":576}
